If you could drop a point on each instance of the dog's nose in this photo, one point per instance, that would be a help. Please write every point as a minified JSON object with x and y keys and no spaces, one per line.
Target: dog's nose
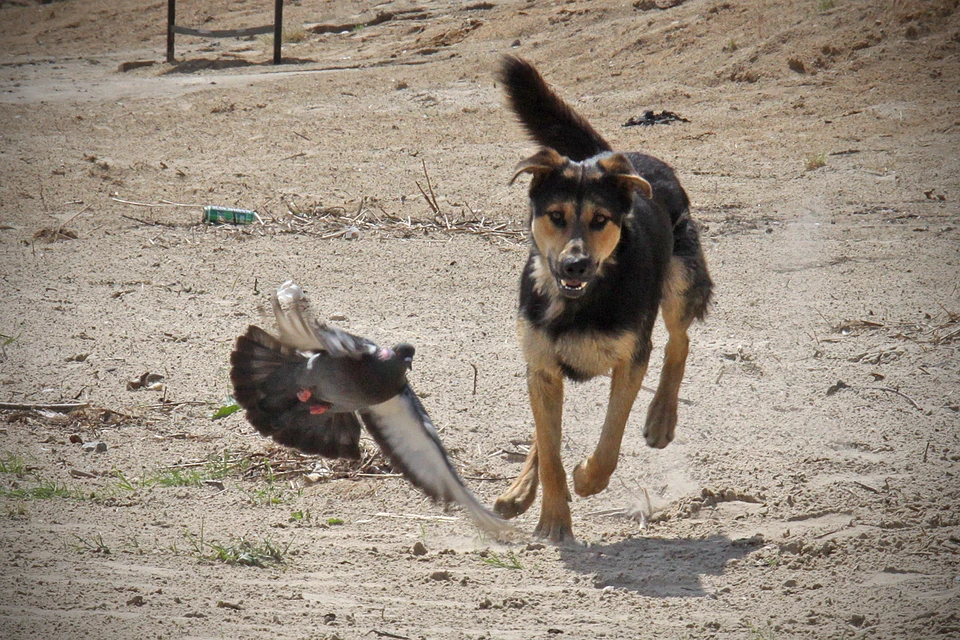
{"x":575,"y":267}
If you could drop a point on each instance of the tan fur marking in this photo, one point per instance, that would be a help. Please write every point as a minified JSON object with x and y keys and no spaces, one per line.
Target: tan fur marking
{"x":540,"y":163}
{"x":661,"y":421}
{"x":538,"y":348}
{"x":603,"y":242}
{"x":546,"y":400}
{"x":593,"y":474}
{"x":620,"y":165}
{"x":551,"y":240}
{"x":521,"y":494}
{"x":594,"y":353}
{"x":546,"y":285}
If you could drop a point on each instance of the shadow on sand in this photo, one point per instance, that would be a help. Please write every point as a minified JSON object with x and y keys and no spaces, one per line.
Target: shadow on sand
{"x":657,"y":567}
{"x":215,"y":64}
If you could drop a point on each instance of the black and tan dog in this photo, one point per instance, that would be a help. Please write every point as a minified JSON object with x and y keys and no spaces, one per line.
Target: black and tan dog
{"x":613,"y":243}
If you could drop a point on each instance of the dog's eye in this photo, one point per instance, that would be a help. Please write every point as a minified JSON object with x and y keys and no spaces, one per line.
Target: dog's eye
{"x":557,"y":217}
{"x":599,"y":222}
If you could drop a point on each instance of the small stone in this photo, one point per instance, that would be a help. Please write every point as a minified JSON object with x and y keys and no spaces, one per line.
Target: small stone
{"x":484,"y":604}
{"x":95,"y":446}
{"x":419,"y":549}
{"x":536,"y":546}
{"x":796,"y":65}
{"x":857,"y":620}
{"x":790,"y":583}
{"x":75,"y":438}
{"x":441,"y":575}
{"x":136,"y":601}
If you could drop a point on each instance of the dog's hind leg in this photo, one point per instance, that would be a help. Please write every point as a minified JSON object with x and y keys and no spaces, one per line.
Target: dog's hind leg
{"x":593,"y":474}
{"x":518,"y":498}
{"x":685,"y":296}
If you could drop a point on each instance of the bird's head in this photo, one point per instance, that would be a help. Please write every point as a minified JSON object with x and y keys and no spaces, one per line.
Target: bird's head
{"x":401,"y":353}
{"x":405,"y":352}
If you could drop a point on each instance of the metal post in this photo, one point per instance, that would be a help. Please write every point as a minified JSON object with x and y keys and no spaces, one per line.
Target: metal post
{"x":171,"y":20}
{"x":277,"y":30}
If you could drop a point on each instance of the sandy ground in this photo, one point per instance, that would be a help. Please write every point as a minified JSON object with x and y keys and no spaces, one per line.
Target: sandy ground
{"x":812,"y":491}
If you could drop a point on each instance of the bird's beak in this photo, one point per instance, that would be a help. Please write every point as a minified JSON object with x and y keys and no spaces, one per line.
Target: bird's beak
{"x":409,"y":362}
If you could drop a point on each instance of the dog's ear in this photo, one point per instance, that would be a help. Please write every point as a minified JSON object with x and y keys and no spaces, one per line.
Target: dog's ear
{"x":539,"y":164}
{"x":620,"y":166}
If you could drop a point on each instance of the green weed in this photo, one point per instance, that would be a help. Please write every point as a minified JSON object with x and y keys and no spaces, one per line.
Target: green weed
{"x":13,"y":463}
{"x":816,"y":160}
{"x":509,"y":561}
{"x":241,"y":551}
{"x":46,"y":490}
{"x":94,"y":544}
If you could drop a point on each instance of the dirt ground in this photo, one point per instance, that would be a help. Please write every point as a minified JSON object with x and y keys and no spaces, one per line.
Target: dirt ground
{"x":812,"y":491}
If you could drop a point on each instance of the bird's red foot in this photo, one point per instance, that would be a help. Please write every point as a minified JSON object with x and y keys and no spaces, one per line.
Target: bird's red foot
{"x":319,"y":408}
{"x":303,"y":395}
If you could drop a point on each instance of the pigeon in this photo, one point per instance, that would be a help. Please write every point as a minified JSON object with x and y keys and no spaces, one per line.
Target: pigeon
{"x":313,"y":386}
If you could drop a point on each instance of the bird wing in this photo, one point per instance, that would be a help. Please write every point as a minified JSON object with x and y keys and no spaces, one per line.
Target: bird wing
{"x":265,"y":375}
{"x":404,"y":432}
{"x":300,"y":329}
{"x":331,"y":435}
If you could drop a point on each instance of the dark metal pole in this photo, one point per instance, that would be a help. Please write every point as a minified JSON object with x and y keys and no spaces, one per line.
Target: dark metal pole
{"x":171,"y":20}
{"x":277,"y":30}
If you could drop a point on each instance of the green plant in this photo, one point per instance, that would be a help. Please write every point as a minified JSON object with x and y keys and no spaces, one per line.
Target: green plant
{"x":228,"y":409}
{"x":44,"y":491}
{"x":816,"y":160}
{"x":13,"y":463}
{"x":241,"y":551}
{"x":509,"y":561}
{"x":825,"y":5}
{"x":94,"y":544}
{"x":300,"y":516}
{"x":756,"y":633}
{"x":334,"y":521}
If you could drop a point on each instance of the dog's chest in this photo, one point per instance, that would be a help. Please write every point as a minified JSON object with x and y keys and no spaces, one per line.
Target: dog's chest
{"x":593,"y":354}
{"x":586,"y":353}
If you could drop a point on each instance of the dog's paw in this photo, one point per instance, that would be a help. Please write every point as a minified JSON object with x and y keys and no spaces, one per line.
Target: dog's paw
{"x":556,"y":530}
{"x":660,"y":427}
{"x":517,"y":499}
{"x":587,"y":481}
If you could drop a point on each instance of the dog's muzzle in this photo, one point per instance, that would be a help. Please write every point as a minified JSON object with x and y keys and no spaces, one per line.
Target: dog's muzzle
{"x":573,"y":274}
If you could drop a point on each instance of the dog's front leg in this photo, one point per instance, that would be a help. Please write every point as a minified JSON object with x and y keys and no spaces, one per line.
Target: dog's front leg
{"x":546,"y":400}
{"x":593,"y":474}
{"x":662,"y":415}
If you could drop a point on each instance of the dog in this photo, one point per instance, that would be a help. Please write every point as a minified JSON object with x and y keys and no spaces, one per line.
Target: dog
{"x":612,"y":244}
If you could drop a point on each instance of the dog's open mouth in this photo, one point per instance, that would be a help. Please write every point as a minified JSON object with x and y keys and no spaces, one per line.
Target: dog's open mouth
{"x":571,"y":288}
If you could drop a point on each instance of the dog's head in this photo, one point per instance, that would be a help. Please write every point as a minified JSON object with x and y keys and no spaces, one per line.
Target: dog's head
{"x":577,"y":211}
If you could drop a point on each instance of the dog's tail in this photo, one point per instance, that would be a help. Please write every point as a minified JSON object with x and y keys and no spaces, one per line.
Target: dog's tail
{"x":548,"y":120}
